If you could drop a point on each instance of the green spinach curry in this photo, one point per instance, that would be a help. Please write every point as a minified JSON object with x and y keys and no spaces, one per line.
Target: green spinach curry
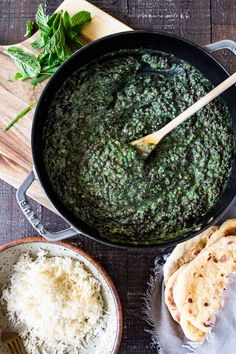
{"x":103,"y":180}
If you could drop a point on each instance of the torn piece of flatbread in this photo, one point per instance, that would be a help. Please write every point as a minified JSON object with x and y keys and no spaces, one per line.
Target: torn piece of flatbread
{"x":191,"y":332}
{"x":188,"y":250}
{"x":198,"y":292}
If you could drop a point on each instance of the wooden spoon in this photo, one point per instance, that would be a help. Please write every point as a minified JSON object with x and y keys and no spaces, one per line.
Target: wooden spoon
{"x":146,"y":144}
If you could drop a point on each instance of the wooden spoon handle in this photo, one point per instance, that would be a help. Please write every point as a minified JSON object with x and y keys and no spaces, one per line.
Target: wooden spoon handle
{"x":196,"y":106}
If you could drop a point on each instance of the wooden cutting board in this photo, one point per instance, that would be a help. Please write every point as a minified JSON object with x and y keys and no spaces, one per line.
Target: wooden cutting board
{"x":15,"y":151}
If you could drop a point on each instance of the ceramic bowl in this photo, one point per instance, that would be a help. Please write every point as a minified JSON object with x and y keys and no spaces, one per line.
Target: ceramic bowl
{"x":109,"y":341}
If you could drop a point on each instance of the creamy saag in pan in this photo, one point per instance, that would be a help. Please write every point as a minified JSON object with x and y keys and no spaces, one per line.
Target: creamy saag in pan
{"x":103,"y":180}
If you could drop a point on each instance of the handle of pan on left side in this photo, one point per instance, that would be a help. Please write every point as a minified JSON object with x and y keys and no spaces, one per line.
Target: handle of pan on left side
{"x":34,"y":219}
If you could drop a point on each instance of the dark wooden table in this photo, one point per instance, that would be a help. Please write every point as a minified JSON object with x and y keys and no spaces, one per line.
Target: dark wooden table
{"x":202,"y":21}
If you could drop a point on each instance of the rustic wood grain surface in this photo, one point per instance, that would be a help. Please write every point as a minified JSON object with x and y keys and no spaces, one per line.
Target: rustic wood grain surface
{"x":202,"y":21}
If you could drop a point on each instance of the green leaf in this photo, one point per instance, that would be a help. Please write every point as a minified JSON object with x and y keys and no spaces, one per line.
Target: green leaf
{"x":29,"y":28}
{"x":39,"y":42}
{"x":27,"y":63}
{"x":60,"y":44}
{"x":42,"y":21}
{"x":55,"y":51}
{"x":72,"y":35}
{"x":19,"y":116}
{"x":57,"y":22}
{"x":51,"y":19}
{"x":19,"y":76}
{"x":73,"y":40}
{"x":67,"y":21}
{"x":58,"y":40}
{"x":79,"y":19}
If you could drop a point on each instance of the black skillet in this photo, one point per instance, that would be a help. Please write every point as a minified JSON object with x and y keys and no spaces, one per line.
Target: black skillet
{"x":197,"y":56}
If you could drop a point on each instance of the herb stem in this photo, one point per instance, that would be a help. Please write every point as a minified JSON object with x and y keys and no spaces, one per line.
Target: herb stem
{"x":19,"y":116}
{"x":39,"y":79}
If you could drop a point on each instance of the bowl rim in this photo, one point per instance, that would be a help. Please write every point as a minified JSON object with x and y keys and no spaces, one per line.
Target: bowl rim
{"x":101,"y":270}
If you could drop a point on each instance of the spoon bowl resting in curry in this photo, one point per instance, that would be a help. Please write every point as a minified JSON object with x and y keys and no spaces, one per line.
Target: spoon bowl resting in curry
{"x":146,"y":144}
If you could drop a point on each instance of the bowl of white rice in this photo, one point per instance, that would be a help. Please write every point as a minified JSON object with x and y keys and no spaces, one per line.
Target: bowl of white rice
{"x":58,"y":299}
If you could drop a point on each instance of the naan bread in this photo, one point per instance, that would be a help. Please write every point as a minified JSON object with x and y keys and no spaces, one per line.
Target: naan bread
{"x":199,"y":287}
{"x":186,"y":251}
{"x":169,"y":294}
{"x":189,"y":330}
{"x":228,"y":228}
{"x":192,"y":333}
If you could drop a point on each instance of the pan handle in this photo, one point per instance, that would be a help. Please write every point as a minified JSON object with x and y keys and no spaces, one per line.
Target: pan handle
{"x":33,"y":219}
{"x":224,"y":44}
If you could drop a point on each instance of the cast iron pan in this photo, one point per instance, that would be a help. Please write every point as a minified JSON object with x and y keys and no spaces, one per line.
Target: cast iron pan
{"x":195,"y":55}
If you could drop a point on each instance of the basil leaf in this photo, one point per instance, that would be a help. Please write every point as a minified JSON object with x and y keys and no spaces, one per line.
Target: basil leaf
{"x":27,"y":63}
{"x":29,"y":28}
{"x":42,"y":21}
{"x":79,"y":19}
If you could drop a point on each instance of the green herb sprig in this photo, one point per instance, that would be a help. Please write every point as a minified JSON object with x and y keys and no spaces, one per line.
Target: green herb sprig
{"x":58,"y":40}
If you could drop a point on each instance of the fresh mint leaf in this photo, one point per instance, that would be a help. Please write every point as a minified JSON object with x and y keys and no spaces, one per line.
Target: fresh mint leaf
{"x":58,"y":40}
{"x":79,"y":20}
{"x":72,"y":35}
{"x":57,"y":22}
{"x":51,"y":19}
{"x":45,"y":30}
{"x":73,"y":40}
{"x":27,"y":63}
{"x":67,"y":21}
{"x":19,"y":76}
{"x":19,"y":116}
{"x":29,"y":28}
{"x":38,"y":43}
{"x":42,"y":21}
{"x":55,"y":51}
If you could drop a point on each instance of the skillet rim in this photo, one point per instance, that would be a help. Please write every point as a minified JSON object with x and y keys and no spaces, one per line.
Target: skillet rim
{"x":162,"y":246}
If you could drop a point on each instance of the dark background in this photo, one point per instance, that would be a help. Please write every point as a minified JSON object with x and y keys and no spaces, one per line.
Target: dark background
{"x":202,"y":21}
